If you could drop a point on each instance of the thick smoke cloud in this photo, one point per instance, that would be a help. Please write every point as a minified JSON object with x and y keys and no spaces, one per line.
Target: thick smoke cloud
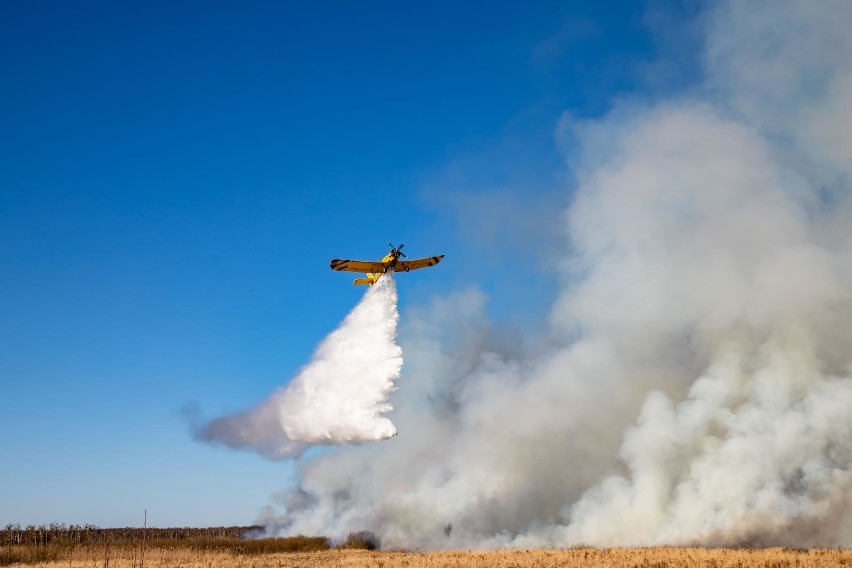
{"x":337,"y":398}
{"x":694,"y":384}
{"x":712,"y":240}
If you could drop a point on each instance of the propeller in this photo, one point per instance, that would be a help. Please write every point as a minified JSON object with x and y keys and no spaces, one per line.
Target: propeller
{"x":398,"y":249}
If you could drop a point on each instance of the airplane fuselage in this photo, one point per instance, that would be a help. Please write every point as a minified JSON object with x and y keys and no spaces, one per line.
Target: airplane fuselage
{"x":390,"y":266}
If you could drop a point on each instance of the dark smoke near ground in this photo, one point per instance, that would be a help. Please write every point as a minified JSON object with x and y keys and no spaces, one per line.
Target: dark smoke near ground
{"x":694,"y":382}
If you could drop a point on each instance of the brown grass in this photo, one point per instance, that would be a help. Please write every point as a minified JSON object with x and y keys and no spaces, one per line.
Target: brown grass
{"x":140,"y":552}
{"x":127,"y":556}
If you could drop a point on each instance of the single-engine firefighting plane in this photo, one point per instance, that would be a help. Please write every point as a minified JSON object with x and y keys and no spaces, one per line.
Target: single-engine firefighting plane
{"x":390,"y":263}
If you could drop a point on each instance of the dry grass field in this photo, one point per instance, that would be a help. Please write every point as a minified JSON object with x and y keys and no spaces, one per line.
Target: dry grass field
{"x":127,"y":556}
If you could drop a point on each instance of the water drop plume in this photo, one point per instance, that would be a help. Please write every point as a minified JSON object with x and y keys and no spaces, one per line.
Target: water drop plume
{"x":339,"y":397}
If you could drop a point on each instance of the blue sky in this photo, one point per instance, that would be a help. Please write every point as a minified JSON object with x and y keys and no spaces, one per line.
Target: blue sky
{"x":175,"y":178}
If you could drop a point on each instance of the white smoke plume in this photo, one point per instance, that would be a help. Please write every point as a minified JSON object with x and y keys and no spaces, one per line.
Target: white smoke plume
{"x":337,"y":398}
{"x":694,"y":384}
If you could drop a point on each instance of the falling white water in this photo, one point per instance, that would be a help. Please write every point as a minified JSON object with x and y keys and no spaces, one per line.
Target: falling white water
{"x":337,"y":398}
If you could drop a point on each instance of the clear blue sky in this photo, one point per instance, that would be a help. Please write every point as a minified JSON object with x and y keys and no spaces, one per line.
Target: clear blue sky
{"x":175,"y":177}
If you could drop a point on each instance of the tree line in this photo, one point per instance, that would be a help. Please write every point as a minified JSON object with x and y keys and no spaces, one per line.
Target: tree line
{"x":56,"y":533}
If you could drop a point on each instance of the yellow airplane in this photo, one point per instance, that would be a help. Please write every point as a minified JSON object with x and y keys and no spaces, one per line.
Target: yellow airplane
{"x":390,"y":263}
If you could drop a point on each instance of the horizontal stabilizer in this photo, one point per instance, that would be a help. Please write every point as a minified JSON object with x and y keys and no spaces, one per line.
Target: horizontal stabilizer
{"x":362,"y":281}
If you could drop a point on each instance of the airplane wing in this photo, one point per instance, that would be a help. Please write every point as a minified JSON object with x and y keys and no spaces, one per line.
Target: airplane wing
{"x":407,"y":265}
{"x":356,"y":266}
